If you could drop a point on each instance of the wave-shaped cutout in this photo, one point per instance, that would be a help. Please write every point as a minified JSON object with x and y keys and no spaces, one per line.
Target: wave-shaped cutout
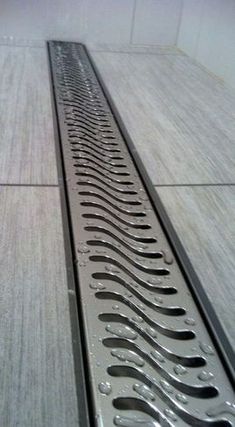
{"x":106,"y":184}
{"x":91,"y":145}
{"x":83,"y":148}
{"x":104,"y":258}
{"x":153,"y":271}
{"x":78,"y":113}
{"x":142,"y":253}
{"x":125,"y":233}
{"x":118,"y":199}
{"x":115,"y":172}
{"x":136,"y":404}
{"x":80,"y":128}
{"x":199,"y":391}
{"x":177,"y":334}
{"x":91,"y":113}
{"x":167,"y":310}
{"x":117,"y":181}
{"x":93,"y":141}
{"x":189,"y":361}
{"x":159,"y":289}
{"x":101,"y":159}
{"x":118,"y":208}
{"x":138,"y":226}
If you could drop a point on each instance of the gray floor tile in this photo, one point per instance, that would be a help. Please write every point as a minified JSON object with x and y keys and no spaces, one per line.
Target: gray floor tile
{"x":204,"y":219}
{"x":37,"y":384}
{"x":180,"y":117}
{"x":27,"y":139}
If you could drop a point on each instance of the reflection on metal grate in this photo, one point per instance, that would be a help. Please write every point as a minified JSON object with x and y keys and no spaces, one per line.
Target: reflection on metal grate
{"x":151,"y":360}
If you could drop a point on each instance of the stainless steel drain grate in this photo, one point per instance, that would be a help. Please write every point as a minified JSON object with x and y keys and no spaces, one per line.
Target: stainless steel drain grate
{"x":151,"y":359}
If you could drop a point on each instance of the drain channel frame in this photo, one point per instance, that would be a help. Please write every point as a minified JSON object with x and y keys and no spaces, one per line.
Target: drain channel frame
{"x":188,"y":272}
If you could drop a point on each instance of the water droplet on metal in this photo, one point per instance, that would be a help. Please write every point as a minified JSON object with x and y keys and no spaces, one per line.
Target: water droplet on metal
{"x":112,"y":268}
{"x":134,"y":421}
{"x":158,"y":356}
{"x":154,"y":281}
{"x":144,"y":391}
{"x":127,"y":356}
{"x":167,"y":256}
{"x":82,"y":248}
{"x":181,"y":398}
{"x":122,"y":331}
{"x":97,"y":286}
{"x":170,"y":414}
{"x":137,"y":319}
{"x":166,"y":386}
{"x":205,"y":376}
{"x":190,"y":321}
{"x":159,"y":300}
{"x":105,"y":388}
{"x":180,"y":370}
{"x":206,"y":348}
{"x":151,"y":332}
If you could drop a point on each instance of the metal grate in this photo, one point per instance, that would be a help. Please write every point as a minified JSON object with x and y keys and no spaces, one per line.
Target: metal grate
{"x":151,"y":359}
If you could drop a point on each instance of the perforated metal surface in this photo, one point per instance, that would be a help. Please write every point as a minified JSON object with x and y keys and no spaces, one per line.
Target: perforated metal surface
{"x":151,"y":360}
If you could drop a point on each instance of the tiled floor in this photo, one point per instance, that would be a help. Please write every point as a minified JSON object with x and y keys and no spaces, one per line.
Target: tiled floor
{"x":180,"y":118}
{"x":37,"y":383}
{"x":182,"y":122}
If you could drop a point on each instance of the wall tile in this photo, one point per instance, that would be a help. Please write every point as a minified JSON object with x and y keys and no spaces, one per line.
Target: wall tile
{"x":108,"y":21}
{"x":156,"y":21}
{"x":190,"y":26}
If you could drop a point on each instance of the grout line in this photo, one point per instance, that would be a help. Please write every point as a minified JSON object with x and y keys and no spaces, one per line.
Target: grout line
{"x":138,"y":53}
{"x":179,"y":23}
{"x":22,"y":45}
{"x":133,"y":22}
{"x":226,"y":184}
{"x":28,"y":185}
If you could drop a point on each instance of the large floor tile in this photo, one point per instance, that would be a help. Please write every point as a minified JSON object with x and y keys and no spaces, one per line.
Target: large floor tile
{"x":204,"y":219}
{"x":180,"y":118}
{"x":37,"y":384}
{"x":27,"y":139}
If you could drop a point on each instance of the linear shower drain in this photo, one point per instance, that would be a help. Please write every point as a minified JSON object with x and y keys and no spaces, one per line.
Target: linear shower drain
{"x":151,"y":359}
